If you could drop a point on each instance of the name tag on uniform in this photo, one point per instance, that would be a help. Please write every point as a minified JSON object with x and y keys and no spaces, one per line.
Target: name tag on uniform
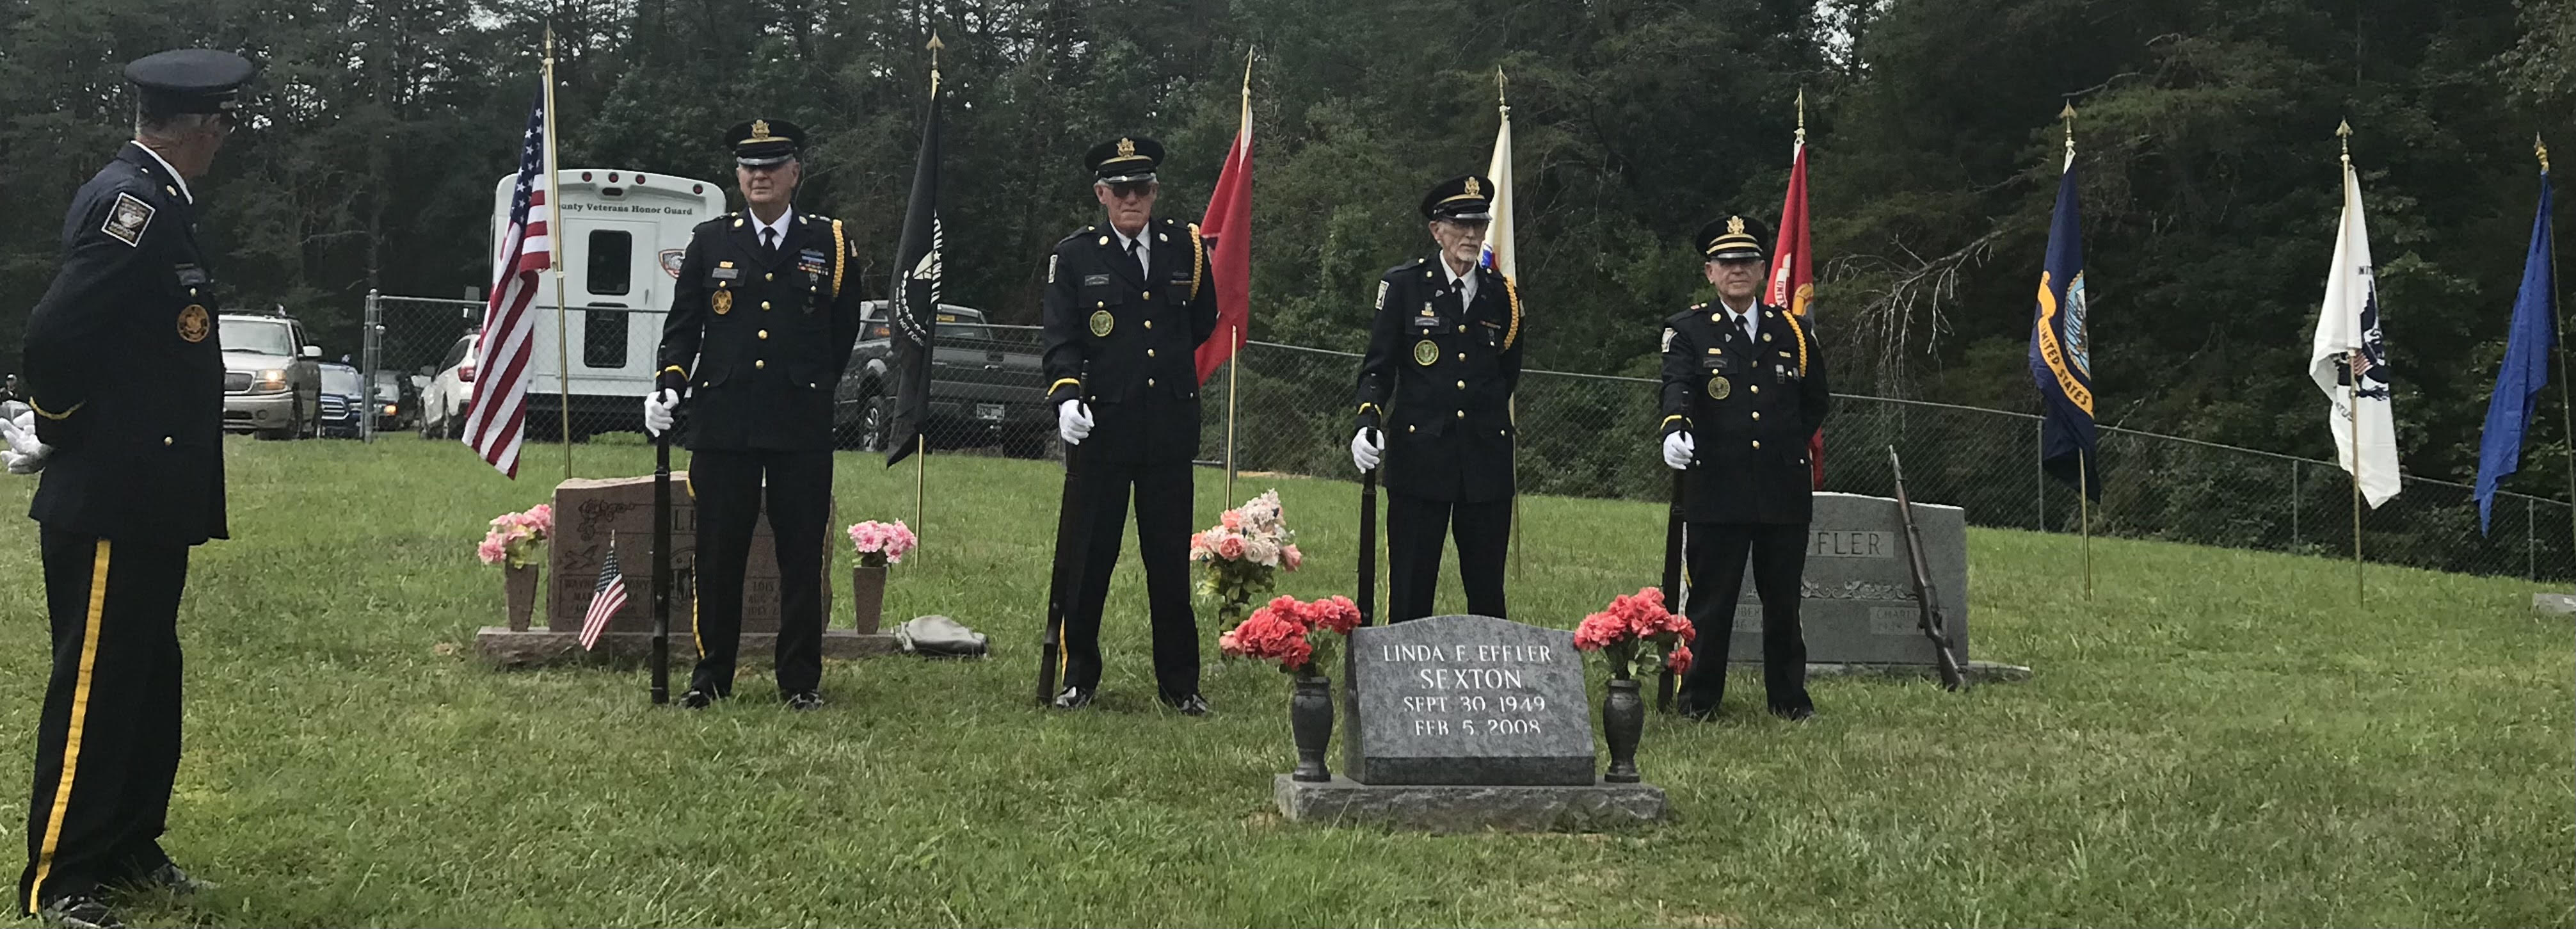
{"x":1095,"y":280}
{"x":192,"y":276}
{"x":725,"y":274}
{"x":1426,"y":323}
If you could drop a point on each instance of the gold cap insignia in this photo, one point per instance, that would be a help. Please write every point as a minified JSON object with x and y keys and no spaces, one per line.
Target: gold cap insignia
{"x":1735,"y":225}
{"x":1126,"y":147}
{"x":759,"y":130}
{"x":1473,"y":189}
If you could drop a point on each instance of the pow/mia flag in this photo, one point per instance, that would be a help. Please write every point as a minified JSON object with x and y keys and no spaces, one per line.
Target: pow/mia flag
{"x":913,"y":300}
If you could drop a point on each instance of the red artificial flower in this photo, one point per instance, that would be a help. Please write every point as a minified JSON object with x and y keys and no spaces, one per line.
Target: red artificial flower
{"x":1599,"y":631}
{"x":1336,"y":613}
{"x":1271,"y":635}
{"x":1679,"y":659}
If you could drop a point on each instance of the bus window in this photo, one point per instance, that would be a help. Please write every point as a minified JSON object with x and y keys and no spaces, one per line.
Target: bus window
{"x":612,"y":261}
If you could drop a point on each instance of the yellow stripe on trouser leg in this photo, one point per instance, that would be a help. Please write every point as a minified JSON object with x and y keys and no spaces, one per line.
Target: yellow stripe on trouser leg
{"x":691,"y":483}
{"x":72,"y":737}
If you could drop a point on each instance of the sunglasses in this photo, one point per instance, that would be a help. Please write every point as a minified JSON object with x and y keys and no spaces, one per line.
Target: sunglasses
{"x":1131,"y":191}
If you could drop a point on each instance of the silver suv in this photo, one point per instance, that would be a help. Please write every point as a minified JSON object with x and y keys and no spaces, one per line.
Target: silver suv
{"x":272,"y":377}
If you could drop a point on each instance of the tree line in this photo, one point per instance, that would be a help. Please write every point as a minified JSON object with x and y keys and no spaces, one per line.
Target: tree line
{"x":2205,"y":141}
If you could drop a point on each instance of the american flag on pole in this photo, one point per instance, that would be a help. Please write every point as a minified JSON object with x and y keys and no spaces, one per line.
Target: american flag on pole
{"x":605,"y":600}
{"x":496,"y":421}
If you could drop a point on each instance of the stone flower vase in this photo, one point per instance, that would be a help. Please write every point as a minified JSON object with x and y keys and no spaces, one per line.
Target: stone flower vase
{"x":1310,"y":719}
{"x":519,"y":583}
{"x":1623,"y":722}
{"x":867,"y":596}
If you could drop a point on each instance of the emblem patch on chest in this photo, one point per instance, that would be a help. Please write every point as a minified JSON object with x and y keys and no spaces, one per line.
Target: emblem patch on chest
{"x":192,"y":323}
{"x":127,"y":219}
{"x":1425,"y":353}
{"x":721,"y":301}
{"x":1718,"y":388}
{"x":1102,"y":323}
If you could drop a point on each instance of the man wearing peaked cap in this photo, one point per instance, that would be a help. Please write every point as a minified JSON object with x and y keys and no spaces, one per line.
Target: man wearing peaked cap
{"x":1743,"y":388}
{"x":125,"y":375}
{"x":762,"y":321}
{"x":1434,"y":404}
{"x":1126,"y":304}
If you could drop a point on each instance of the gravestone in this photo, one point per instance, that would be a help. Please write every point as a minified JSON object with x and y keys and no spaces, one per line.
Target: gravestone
{"x":1466,"y":723}
{"x":1857,"y":603}
{"x":589,"y":513}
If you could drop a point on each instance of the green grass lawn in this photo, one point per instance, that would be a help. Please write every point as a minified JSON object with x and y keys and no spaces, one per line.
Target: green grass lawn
{"x":2216,"y":738}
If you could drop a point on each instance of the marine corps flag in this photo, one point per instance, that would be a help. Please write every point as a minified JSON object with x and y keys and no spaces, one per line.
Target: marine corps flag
{"x":1793,"y":275}
{"x":912,"y":303}
{"x":2061,"y":351}
{"x":1227,"y":230}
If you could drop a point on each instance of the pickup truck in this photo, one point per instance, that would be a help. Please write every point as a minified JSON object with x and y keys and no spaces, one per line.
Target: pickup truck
{"x":986,"y":386}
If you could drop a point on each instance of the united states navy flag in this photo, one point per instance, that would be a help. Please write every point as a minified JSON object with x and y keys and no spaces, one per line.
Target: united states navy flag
{"x":2061,"y":355}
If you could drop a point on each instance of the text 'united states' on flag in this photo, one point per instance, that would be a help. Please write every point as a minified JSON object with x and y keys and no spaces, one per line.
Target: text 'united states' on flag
{"x":496,"y":419}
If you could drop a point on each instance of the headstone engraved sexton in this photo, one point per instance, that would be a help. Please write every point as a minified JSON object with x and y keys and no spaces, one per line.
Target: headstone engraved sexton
{"x":1465,"y":723}
{"x":588,"y":514}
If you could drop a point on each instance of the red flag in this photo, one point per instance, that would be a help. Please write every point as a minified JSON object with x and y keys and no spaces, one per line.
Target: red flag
{"x":1793,"y":278}
{"x":1227,"y":227}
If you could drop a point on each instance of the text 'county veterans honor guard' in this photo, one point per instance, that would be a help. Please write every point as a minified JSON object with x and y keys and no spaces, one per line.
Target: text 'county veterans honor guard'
{"x":1126,"y":306}
{"x":125,"y":374}
{"x":1435,"y":393}
{"x":1743,"y":388}
{"x":762,"y":321}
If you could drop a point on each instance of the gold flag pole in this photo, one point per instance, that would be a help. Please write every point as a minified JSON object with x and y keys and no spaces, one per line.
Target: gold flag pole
{"x":1511,"y":404}
{"x":2083,"y":466}
{"x":554,"y":258}
{"x":2352,"y":404}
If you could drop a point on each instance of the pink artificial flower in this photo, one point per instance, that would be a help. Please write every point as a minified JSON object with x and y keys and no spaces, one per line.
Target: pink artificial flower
{"x":1290,"y":556}
{"x":1262,"y":552}
{"x":1198,"y":543}
{"x":492,"y":550}
{"x":1231,"y":519}
{"x":542,"y":516}
{"x":1230,"y":547}
{"x":1336,"y":613}
{"x":1679,"y":659}
{"x":1599,"y":631}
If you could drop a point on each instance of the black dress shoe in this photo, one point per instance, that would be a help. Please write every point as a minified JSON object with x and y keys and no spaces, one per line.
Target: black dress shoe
{"x":696,"y":700}
{"x":1073,"y":698}
{"x":1192,"y":705}
{"x":79,"y":911}
{"x":805,"y":700}
{"x":1796,"y":713}
{"x":168,"y":878}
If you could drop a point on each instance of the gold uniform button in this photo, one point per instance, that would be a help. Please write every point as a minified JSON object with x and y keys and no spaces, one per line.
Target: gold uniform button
{"x":1462,"y":356}
{"x":1149,"y":382}
{"x":1757,"y":416}
{"x":766,"y":276}
{"x":1757,"y":388}
{"x":1149,"y":295}
{"x":1408,"y":429}
{"x":1462,"y":414}
{"x":1149,"y":353}
{"x":1462,"y":327}
{"x":760,"y":363}
{"x":1757,"y":443}
{"x":1100,"y":306}
{"x":1149,"y":324}
{"x":764,"y":304}
{"x":1462,"y":385}
{"x":165,"y":440}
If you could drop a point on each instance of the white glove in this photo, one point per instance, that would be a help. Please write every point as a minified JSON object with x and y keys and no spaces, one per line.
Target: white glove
{"x":1072,"y":422}
{"x":657,"y":409}
{"x":1677,"y":450}
{"x":26,"y":454}
{"x":1366,"y":451}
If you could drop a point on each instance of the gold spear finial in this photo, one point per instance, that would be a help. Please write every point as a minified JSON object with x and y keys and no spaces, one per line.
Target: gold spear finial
{"x":2344,"y":132}
{"x":2541,"y":150}
{"x":1501,"y":99}
{"x":934,"y":46}
{"x":2068,"y":114}
{"x":1247,"y":72}
{"x":1802,"y":116}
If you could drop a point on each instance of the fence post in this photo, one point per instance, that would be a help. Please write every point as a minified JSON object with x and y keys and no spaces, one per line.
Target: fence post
{"x":370,"y":352}
{"x":2294,"y":504}
{"x":2530,"y":539}
{"x":2039,"y":467}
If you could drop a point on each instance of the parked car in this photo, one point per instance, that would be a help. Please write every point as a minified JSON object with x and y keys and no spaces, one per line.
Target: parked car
{"x":987,"y":386}
{"x":450,"y":388}
{"x":272,"y":376}
{"x":394,"y":402}
{"x":343,"y":403}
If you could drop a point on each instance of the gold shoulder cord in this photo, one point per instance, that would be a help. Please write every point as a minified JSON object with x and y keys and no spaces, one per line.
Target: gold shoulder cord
{"x":840,"y":258}
{"x":1514,"y":290}
{"x":1198,"y":259}
{"x":1801,"y":333}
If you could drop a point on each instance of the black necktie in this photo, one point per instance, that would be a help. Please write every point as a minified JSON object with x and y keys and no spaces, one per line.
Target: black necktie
{"x":768,"y":239}
{"x":1132,"y":246}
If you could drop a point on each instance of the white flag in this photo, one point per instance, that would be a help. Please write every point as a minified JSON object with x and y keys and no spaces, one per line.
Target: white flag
{"x":1498,"y":237}
{"x":2348,"y":338}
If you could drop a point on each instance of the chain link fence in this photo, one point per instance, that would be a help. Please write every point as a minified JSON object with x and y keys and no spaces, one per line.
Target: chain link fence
{"x":1582,"y":435}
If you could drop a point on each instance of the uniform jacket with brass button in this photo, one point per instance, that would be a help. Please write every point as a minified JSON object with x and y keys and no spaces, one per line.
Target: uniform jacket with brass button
{"x":1139,"y":331}
{"x":760,"y":337}
{"x":1750,"y":405}
{"x":1438,"y":381}
{"x":125,"y":367}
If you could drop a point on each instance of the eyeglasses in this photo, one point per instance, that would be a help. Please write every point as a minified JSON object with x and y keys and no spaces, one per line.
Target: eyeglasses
{"x":1132,"y":191}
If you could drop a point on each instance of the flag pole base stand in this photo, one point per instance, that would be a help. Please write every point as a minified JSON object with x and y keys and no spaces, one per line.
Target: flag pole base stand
{"x":2554,"y":604}
{"x":528,"y":648}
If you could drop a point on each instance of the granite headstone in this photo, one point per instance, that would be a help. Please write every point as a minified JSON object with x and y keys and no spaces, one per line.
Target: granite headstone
{"x":1466,"y":700}
{"x":1857,"y":603}
{"x":588,"y":512}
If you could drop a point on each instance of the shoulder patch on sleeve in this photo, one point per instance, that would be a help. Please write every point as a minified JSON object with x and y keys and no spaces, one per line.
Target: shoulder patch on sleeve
{"x":1051,"y":258}
{"x":127,"y":219}
{"x":1381,"y":296}
{"x":1668,"y":340}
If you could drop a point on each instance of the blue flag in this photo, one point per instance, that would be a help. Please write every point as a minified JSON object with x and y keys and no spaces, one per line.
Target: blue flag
{"x":2526,"y":365}
{"x":2061,"y":355}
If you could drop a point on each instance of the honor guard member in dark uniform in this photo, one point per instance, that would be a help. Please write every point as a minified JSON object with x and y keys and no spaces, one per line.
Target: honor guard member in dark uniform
{"x":763,"y":317}
{"x":1443,"y":359}
{"x":1129,"y":301}
{"x":125,"y":375}
{"x":1743,"y":388}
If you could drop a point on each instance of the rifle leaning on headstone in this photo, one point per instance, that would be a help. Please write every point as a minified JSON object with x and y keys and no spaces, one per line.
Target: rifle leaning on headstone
{"x":1072,"y":538}
{"x":1368,"y":546}
{"x":1674,"y":531}
{"x":1934,"y":625}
